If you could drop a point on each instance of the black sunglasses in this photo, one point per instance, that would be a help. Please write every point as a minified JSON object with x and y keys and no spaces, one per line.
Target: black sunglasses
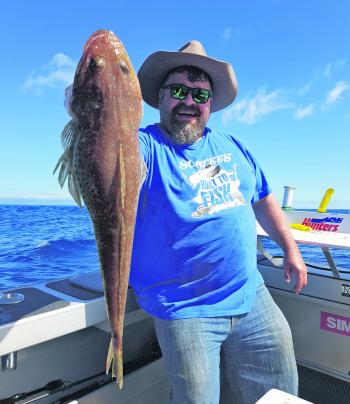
{"x":180,"y":92}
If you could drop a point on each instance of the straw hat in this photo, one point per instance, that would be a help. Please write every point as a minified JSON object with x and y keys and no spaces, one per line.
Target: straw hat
{"x":156,"y":67}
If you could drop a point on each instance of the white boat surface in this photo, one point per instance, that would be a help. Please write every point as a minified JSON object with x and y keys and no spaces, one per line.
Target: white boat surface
{"x":53,"y":344}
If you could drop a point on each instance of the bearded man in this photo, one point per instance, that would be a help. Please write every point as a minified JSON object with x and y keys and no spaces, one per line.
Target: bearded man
{"x":194,"y":266}
{"x":194,"y":263}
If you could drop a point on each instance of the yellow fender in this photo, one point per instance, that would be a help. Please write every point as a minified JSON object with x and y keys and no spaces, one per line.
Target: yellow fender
{"x":325,"y":200}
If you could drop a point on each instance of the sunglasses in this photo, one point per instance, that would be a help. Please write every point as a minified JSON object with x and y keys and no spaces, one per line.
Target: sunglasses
{"x":180,"y":92}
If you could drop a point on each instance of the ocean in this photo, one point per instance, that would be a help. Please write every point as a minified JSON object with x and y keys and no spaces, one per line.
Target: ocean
{"x":45,"y":243}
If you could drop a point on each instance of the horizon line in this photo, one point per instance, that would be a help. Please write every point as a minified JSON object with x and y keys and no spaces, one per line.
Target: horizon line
{"x":64,"y":201}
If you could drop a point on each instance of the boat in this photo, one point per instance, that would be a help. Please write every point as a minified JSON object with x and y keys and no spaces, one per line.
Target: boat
{"x":54,"y":337}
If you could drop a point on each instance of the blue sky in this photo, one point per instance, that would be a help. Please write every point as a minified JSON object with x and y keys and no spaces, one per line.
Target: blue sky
{"x":291,"y":59}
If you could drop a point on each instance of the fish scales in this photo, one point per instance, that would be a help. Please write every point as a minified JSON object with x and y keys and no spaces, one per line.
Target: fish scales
{"x":103,"y":167}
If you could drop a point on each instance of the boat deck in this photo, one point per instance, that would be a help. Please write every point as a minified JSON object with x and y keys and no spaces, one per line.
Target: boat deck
{"x":60,"y":331}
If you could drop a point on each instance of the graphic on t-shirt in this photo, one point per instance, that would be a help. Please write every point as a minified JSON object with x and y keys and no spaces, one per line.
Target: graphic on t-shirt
{"x":217,"y":189}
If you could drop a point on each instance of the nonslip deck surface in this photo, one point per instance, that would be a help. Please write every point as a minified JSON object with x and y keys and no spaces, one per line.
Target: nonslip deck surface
{"x":35,"y":302}
{"x":65,"y":286}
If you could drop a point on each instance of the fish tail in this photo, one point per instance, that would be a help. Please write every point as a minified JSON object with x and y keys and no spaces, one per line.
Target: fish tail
{"x":109,"y":360}
{"x":65,"y":162}
{"x":119,"y":366}
{"x":115,"y":361}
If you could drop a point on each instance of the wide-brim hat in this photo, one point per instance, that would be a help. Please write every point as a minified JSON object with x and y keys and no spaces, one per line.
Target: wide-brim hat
{"x":155,"y":68}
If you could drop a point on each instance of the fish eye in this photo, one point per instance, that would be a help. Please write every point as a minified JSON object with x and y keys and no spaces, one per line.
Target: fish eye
{"x":94,"y":63}
{"x":124,"y":67}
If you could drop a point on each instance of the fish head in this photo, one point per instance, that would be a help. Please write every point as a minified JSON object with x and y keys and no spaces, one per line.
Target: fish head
{"x":103,"y":67}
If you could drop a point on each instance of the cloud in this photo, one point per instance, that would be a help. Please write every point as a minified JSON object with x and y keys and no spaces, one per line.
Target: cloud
{"x":327,"y":70}
{"x":340,"y":64}
{"x":301,"y":113}
{"x":335,"y":94}
{"x":227,"y":33}
{"x":59,"y":70}
{"x":251,"y":110}
{"x":62,"y":60}
{"x":235,"y":33}
{"x":322,"y":73}
{"x":305,"y":89}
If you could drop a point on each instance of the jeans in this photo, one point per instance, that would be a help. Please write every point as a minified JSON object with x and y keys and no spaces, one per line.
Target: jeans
{"x":251,"y":353}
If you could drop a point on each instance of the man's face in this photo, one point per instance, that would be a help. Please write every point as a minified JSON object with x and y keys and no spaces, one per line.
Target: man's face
{"x":184,"y":120}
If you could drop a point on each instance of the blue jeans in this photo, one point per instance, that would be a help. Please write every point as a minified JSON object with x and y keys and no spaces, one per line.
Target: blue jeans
{"x":252,"y":353}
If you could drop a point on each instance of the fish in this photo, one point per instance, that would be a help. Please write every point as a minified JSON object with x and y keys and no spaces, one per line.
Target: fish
{"x":102,"y":165}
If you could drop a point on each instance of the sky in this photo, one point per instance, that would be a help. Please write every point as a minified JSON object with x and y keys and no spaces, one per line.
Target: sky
{"x":291,"y":59}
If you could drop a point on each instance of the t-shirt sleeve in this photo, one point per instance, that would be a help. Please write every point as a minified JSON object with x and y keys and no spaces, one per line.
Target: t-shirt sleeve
{"x":144,"y":144}
{"x":262,"y":187}
{"x":145,"y":153}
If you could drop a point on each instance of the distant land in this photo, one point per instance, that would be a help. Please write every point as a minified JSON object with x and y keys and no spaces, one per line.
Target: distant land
{"x":36,"y":201}
{"x":58,"y":198}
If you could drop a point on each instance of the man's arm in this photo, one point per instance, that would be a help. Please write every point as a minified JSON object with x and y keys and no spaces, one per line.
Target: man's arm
{"x":271,"y":218}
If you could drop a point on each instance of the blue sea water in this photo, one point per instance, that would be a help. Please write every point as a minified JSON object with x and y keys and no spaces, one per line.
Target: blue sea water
{"x":44,"y":243}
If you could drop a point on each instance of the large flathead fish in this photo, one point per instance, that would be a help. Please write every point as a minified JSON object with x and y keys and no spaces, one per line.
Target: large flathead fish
{"x":102,"y":164}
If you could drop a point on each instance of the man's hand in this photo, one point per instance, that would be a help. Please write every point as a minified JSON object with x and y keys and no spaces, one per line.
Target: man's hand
{"x":271,"y":218}
{"x":293,"y":263}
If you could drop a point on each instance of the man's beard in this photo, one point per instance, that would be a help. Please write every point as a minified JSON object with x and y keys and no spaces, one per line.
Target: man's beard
{"x":184,"y":132}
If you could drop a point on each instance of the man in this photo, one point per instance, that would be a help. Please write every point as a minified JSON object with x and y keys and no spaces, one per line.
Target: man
{"x":194,"y":259}
{"x":194,"y":263}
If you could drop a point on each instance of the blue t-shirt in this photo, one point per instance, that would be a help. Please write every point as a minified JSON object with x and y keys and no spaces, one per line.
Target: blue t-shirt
{"x":194,"y":252}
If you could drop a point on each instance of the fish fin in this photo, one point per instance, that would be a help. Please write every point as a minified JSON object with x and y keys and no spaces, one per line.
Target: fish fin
{"x":115,"y":361}
{"x":119,"y":366}
{"x":109,"y":359}
{"x":74,"y":190}
{"x":69,"y":134}
{"x":65,"y":162}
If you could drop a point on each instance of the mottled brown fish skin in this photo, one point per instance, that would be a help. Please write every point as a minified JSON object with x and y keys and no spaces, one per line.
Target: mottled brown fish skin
{"x":107,"y":105}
